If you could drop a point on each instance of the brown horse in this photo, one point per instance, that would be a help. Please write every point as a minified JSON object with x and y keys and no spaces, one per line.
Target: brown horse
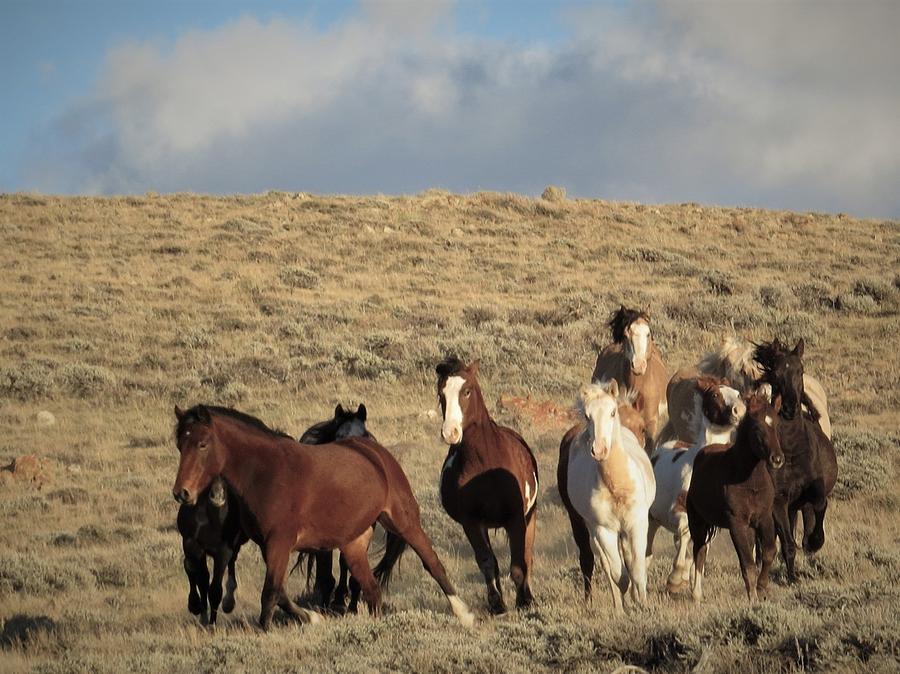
{"x":293,"y":498}
{"x":810,"y":470}
{"x":489,"y":480}
{"x":632,"y":420}
{"x":637,"y":365}
{"x":731,"y":487}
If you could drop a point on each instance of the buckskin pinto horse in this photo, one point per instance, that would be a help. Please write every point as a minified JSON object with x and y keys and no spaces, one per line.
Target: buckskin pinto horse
{"x":810,"y":471}
{"x":631,"y":420}
{"x":344,"y":424}
{"x":489,"y":480}
{"x":293,"y":499}
{"x":610,"y":484}
{"x":732,"y":487}
{"x":637,"y":365}
{"x":735,"y":361}
{"x":718,"y":409}
{"x":211,"y":528}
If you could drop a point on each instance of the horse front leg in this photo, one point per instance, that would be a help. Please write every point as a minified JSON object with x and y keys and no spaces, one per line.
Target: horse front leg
{"x":606,"y":545}
{"x":231,"y":583}
{"x":679,"y":576}
{"x":487,"y":562}
{"x":782,"y":524}
{"x":521,"y":540}
{"x":220,"y":564}
{"x":634,"y":546}
{"x":276,"y":556}
{"x":744,"y":540}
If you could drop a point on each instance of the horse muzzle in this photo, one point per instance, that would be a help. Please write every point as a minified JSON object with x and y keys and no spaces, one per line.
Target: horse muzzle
{"x":638,"y":367}
{"x":183,"y":496}
{"x":776,"y":461}
{"x":451,"y":436}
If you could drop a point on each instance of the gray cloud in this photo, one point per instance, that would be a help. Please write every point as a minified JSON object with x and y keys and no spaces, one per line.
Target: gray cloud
{"x":783,"y":104}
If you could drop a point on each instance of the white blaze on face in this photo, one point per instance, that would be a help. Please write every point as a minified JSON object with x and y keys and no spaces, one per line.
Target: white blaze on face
{"x":451,"y":431}
{"x":769,"y":421}
{"x":733,"y":400}
{"x":638,"y":335}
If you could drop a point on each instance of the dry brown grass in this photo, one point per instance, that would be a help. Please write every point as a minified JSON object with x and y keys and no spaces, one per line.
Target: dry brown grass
{"x":113,"y":310}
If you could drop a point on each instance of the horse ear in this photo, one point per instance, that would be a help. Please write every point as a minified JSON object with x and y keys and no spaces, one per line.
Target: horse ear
{"x":613,"y":388}
{"x":474,"y":365}
{"x":179,"y":413}
{"x":798,"y":350}
{"x":338,"y":411}
{"x":705,"y":384}
{"x":361,"y":412}
{"x":777,"y":403}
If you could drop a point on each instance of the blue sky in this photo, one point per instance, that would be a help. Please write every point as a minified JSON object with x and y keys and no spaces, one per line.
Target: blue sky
{"x":785,"y":105}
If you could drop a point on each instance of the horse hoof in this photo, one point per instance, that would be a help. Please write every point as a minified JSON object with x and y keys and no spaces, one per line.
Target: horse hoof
{"x":194,"y":605}
{"x":228,"y":604}
{"x":676,"y":588}
{"x":313,"y":618}
{"x":497,"y":608}
{"x":204,"y":618}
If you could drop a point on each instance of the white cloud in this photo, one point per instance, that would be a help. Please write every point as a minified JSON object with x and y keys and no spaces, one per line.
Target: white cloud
{"x":777,"y":104}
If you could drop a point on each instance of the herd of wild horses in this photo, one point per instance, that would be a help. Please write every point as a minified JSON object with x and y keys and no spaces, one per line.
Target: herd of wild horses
{"x":741,"y":441}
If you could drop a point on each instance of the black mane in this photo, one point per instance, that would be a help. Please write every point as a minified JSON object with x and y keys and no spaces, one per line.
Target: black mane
{"x":198,"y":412}
{"x":621,"y":319}
{"x":450,"y":366}
{"x":767,"y":354}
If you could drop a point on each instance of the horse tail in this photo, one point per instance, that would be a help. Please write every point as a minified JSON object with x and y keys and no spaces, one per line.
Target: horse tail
{"x":310,"y":560}
{"x":394,"y":548}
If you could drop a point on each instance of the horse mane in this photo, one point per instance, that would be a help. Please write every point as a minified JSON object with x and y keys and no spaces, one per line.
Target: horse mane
{"x":319,"y":433}
{"x":627,"y":396}
{"x":734,"y":360}
{"x":620,"y":320}
{"x":450,"y":366}
{"x":767,"y":353}
{"x":197,"y":412}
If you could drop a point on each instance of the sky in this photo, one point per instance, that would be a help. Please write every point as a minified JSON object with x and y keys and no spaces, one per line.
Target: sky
{"x":778,"y":103}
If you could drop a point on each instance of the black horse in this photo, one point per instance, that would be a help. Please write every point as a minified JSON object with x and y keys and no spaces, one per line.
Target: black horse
{"x":211,"y":528}
{"x":809,"y":473}
{"x":331,"y":595}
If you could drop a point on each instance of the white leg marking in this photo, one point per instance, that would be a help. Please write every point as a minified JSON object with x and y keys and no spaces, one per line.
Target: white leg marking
{"x":461,"y":611}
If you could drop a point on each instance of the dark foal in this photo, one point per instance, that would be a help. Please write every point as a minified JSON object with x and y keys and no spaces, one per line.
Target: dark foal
{"x":344,"y":424}
{"x":810,"y":470}
{"x":489,"y":480}
{"x":211,"y":528}
{"x":731,"y":487}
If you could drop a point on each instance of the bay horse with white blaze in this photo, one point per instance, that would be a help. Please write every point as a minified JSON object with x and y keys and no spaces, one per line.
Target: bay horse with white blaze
{"x":732,"y":487}
{"x":810,"y":470}
{"x":610,"y":484}
{"x":293,"y":499}
{"x":489,"y":480}
{"x":632,"y":421}
{"x":636,"y":364}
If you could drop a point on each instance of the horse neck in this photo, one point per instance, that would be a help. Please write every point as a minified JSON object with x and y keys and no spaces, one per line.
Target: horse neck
{"x":244,"y":459}
{"x":741,"y":454}
{"x":613,"y":470}
{"x":479,"y":425}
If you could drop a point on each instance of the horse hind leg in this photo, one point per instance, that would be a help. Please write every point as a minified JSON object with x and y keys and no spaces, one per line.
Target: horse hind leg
{"x":231,"y":583}
{"x":356,"y":553}
{"x":814,"y":520}
{"x":196,"y":586}
{"x":585,"y":554}
{"x":410,"y":530}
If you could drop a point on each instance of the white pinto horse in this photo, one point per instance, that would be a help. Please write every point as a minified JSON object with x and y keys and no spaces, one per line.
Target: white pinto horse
{"x":718,"y":410}
{"x":611,"y":485}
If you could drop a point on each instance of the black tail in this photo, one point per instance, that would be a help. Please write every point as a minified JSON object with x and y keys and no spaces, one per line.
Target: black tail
{"x":394,"y":547}
{"x":310,"y":566}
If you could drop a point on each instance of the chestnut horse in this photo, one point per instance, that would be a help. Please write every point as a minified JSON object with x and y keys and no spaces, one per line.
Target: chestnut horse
{"x":489,"y":480}
{"x":810,"y":470}
{"x":344,"y":424}
{"x":732,"y":487}
{"x":294,"y":498}
{"x":637,"y":365}
{"x":717,"y":410}
{"x":632,"y":421}
{"x":735,"y":361}
{"x":610,"y":484}
{"x":211,"y":528}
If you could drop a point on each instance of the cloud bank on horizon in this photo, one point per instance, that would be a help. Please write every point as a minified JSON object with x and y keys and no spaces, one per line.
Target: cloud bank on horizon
{"x":784,"y":105}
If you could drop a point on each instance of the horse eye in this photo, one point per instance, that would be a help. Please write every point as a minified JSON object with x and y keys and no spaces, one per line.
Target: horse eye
{"x":613,"y":414}
{"x":468,"y":392}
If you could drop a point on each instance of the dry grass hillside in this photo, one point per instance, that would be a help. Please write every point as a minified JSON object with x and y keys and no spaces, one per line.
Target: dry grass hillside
{"x":113,"y":310}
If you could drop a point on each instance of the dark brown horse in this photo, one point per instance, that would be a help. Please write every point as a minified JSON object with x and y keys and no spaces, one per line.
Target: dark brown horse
{"x":294,"y":498}
{"x":489,"y":480}
{"x":731,"y":487}
{"x":637,"y":365}
{"x":810,"y":471}
{"x":211,"y":528}
{"x":344,"y":424}
{"x":632,"y":420}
